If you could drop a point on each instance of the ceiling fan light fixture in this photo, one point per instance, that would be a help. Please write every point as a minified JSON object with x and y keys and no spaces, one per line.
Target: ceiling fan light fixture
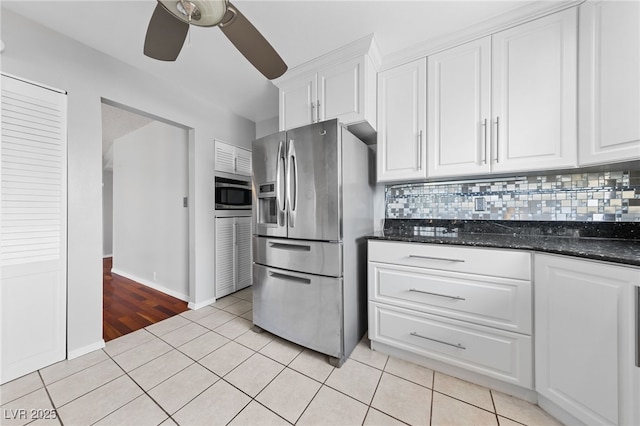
{"x":204,"y":13}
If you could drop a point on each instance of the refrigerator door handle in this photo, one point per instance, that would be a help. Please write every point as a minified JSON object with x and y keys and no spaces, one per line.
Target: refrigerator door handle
{"x":292,"y":184}
{"x":280,"y":200}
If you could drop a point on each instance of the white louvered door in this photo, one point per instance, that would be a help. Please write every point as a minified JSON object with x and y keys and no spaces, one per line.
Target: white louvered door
{"x":224,"y":264}
{"x":244,"y":261}
{"x":33,"y":228}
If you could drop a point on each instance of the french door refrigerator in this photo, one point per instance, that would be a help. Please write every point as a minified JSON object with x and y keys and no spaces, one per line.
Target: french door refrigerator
{"x":313,"y":205}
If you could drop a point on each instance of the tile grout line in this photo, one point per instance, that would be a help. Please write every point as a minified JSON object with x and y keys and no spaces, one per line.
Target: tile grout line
{"x":50,"y":400}
{"x":498,"y":415}
{"x":144,"y":392}
{"x":375,"y":390}
{"x":433,"y":388}
{"x":495,"y":409}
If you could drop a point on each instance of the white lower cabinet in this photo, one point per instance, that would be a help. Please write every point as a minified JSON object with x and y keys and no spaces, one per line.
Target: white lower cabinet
{"x":233,"y":268}
{"x":500,"y":354}
{"x":442,"y":302}
{"x":586,"y":340}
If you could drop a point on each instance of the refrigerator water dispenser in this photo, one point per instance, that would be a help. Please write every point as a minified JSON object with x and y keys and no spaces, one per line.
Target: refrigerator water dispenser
{"x":267,"y":204}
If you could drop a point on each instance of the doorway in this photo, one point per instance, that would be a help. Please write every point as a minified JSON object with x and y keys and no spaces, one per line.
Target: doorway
{"x":145,"y":219}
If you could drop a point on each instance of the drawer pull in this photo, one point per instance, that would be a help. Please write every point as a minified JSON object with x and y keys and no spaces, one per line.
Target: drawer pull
{"x":455,"y":345}
{"x":292,"y":247}
{"x":438,"y":294}
{"x":443,"y":259}
{"x":291,"y":278}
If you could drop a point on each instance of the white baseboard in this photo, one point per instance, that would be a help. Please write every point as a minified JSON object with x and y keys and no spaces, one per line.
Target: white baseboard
{"x":151,"y":284}
{"x":199,"y":305}
{"x":75,"y":353}
{"x":106,"y":256}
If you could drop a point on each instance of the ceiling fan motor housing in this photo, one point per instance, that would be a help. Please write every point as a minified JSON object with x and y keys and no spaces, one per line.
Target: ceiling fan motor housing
{"x":204,"y":13}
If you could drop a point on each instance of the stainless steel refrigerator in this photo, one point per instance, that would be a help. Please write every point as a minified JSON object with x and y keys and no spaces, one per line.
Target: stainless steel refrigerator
{"x":313,"y":203}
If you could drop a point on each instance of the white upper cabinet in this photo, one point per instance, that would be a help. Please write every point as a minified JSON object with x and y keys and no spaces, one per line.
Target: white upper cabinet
{"x":337,"y":91}
{"x":534,"y":101}
{"x":506,"y":102}
{"x":609,"y":82}
{"x":459,"y":110}
{"x":343,"y":92}
{"x":339,"y":85}
{"x":243,"y":161}
{"x":298,"y":102}
{"x":402,"y":101}
{"x":232,"y":159}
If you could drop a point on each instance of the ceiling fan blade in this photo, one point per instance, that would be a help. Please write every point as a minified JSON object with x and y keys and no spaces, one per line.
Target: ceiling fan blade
{"x":248,"y":40}
{"x":165,"y":35}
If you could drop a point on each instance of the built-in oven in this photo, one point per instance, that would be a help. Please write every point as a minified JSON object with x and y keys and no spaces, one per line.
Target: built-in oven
{"x":232,"y":194}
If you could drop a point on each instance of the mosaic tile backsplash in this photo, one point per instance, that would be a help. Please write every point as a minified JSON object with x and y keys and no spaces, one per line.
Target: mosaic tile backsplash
{"x":612,"y":196}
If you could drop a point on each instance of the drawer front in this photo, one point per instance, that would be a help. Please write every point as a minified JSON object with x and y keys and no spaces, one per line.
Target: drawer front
{"x":500,"y":354}
{"x":495,"y":302}
{"x":483,"y":261}
{"x":302,"y":308}
{"x":314,"y":257}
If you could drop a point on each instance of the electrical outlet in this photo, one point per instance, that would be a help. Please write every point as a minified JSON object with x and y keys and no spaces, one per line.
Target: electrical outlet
{"x":479,"y":204}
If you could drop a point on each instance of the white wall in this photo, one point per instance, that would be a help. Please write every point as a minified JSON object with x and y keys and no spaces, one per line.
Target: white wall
{"x":267,"y":127}
{"x":41,"y":55}
{"x":150,"y":224}
{"x":107,"y":213}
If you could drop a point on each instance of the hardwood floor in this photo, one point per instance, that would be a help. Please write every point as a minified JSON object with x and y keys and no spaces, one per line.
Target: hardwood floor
{"x":129,"y":306}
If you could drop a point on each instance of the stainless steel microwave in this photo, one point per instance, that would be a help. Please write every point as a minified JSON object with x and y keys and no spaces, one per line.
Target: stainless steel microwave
{"x":232,"y":194}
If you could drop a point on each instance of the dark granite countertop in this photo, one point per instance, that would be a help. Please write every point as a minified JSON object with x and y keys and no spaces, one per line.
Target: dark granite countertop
{"x":611,"y":241}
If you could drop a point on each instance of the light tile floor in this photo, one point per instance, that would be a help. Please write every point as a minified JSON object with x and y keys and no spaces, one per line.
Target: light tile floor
{"x":208,"y":367}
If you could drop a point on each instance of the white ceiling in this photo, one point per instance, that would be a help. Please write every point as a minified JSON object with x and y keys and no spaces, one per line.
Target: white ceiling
{"x":299,"y":30}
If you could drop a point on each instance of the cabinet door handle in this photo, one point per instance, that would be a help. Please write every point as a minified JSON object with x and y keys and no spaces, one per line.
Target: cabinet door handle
{"x":484,"y":142}
{"x":443,"y":259}
{"x":497,"y":139}
{"x":437,"y":294}
{"x":455,"y":345}
{"x":637,"y":326}
{"x":313,"y":108}
{"x":420,"y":150}
{"x":318,"y":111}
{"x":235,"y":233}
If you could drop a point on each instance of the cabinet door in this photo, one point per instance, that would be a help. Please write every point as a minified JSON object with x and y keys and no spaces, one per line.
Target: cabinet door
{"x":584,"y":337}
{"x":341,"y":92}
{"x":298,"y":103}
{"x":224,"y":249}
{"x":609,"y":82}
{"x":224,"y":157}
{"x":402,"y":102}
{"x":243,"y":252}
{"x":459,"y":110}
{"x":243,"y":161}
{"x":534,"y":94}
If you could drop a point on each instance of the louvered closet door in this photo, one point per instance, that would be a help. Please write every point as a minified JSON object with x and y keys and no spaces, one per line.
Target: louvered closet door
{"x":225,"y":247}
{"x":243,"y":252}
{"x":33,"y":228}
